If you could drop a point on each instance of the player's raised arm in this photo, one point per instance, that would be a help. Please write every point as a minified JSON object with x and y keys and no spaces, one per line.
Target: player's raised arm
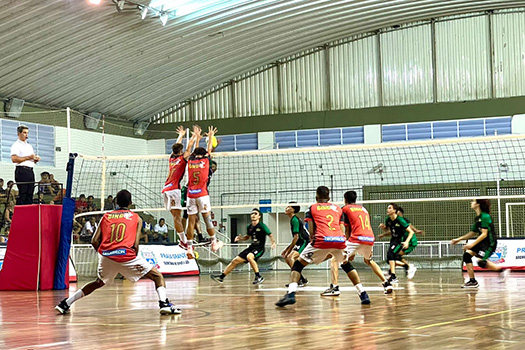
{"x":464,"y":237}
{"x":182,"y":132}
{"x":211,"y":134}
{"x":196,"y":131}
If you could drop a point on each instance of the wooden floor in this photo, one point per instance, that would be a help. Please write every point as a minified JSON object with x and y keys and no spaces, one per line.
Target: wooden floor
{"x":430,"y":312}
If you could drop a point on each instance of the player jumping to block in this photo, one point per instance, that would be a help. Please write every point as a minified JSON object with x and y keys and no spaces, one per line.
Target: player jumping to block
{"x":117,"y":242}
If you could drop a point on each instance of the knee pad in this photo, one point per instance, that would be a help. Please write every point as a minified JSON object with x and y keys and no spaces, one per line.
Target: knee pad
{"x":347,"y":267}
{"x":467,"y":258}
{"x":207,"y":220}
{"x":482,"y":263}
{"x":297,"y":266}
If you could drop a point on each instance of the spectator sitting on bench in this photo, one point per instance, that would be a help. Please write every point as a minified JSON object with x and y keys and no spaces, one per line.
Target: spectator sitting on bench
{"x":88,"y":230}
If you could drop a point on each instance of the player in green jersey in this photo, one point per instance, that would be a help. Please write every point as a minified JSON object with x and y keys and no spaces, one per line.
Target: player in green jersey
{"x":300,"y":238}
{"x":483,"y":246}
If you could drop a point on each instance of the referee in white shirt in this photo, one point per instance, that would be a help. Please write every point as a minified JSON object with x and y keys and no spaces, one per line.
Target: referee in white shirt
{"x":24,"y":157}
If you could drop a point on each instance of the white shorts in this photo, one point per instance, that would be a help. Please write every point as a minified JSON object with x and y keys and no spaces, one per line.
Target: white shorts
{"x":314,"y":255}
{"x":172,"y":199}
{"x":363,"y":249}
{"x":199,"y":205}
{"x":133,"y":270}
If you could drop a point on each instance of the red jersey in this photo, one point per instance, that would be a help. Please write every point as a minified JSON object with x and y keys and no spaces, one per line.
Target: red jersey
{"x":358,"y":219}
{"x":198,"y":176}
{"x":119,"y":232}
{"x":177,"y":170}
{"x":327,"y":218}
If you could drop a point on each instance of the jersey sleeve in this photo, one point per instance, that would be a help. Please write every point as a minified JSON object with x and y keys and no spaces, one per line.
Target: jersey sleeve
{"x":308,"y":215}
{"x":346,"y":220}
{"x":266,"y":229}
{"x":485,"y":221}
{"x":296,"y":226}
{"x":403,"y":222}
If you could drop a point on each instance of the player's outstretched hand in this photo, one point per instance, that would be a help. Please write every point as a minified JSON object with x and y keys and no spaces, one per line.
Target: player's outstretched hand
{"x":211,"y":131}
{"x":274,"y":245}
{"x":237,"y":239}
{"x":454,"y":241}
{"x":181,"y":131}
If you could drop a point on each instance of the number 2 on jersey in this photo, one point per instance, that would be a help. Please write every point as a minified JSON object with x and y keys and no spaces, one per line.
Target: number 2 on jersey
{"x":331,"y":218}
{"x":364,"y":223}
{"x":117,"y":232}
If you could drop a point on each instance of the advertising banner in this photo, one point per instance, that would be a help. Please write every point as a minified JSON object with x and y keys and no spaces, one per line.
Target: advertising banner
{"x":510,"y":253}
{"x":169,"y":260}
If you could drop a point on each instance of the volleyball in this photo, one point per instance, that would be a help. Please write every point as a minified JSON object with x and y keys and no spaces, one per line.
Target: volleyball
{"x":214,"y":142}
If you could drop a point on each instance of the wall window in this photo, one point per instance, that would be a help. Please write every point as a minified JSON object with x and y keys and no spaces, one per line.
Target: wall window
{"x":447,"y":129}
{"x":319,"y":137}
{"x":41,"y":137}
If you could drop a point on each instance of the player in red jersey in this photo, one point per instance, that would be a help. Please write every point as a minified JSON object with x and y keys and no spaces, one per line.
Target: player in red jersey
{"x":117,"y":243}
{"x":199,"y":173}
{"x":172,"y":188}
{"x":360,"y":239}
{"x":325,"y":223}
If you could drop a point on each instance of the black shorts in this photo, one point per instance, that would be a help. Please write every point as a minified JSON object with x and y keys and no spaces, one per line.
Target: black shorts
{"x":484,"y":249}
{"x":256,"y":250}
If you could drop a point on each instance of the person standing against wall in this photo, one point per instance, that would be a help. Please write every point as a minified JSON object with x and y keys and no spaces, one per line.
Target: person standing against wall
{"x":23,"y":155}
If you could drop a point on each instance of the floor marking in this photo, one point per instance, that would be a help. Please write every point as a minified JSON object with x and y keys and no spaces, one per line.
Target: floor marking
{"x":506,"y":341}
{"x":462,"y":338}
{"x":322,"y":289}
{"x":42,"y":345}
{"x":419,"y":335}
{"x":470,"y":318}
{"x":382,"y":333}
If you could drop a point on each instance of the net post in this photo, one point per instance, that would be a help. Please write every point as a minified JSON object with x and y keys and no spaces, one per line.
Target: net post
{"x":507,"y":217}
{"x":103,"y":183}
{"x":68,"y":117}
{"x":499,"y":206}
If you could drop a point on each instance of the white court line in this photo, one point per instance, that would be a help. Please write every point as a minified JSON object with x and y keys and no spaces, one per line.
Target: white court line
{"x":42,"y":345}
{"x":419,"y":335}
{"x":505,"y":341}
{"x":322,"y":289}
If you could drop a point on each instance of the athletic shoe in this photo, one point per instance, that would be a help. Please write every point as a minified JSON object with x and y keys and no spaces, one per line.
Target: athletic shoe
{"x":332,"y":291}
{"x":288,"y":299}
{"x":393,"y":280}
{"x":63,"y":307}
{"x":303,"y":282}
{"x":217,"y":278}
{"x":258,"y":280}
{"x":411,"y":271}
{"x":216,"y":245}
{"x":167,"y":308}
{"x":190,"y":254}
{"x":407,"y":268}
{"x":470,"y":285}
{"x":388,"y":287}
{"x":504,"y":274}
{"x":365,"y":300}
{"x":183,"y":245}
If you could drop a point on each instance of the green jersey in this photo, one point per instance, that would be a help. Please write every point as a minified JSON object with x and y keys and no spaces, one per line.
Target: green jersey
{"x":397,"y":229}
{"x":297,"y":228}
{"x":484,"y":221}
{"x":258,"y":234}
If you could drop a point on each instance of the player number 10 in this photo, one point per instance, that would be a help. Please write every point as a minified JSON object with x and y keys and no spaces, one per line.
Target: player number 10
{"x":117,"y":232}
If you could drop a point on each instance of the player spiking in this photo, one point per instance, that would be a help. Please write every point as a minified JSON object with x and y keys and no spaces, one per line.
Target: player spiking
{"x":483,"y":246}
{"x":401,"y":242}
{"x":199,"y":173}
{"x":172,"y":195}
{"x":327,"y":239}
{"x":300,"y":239}
{"x":117,"y":243}
{"x":360,"y":239}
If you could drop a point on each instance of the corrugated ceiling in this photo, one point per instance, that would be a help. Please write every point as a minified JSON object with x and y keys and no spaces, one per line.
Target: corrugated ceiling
{"x":92,"y":58}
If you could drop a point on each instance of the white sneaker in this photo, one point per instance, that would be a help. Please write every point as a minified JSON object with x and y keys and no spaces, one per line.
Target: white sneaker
{"x":411,"y":271}
{"x":332,"y":291}
{"x":504,"y":275}
{"x":216,"y":245}
{"x":190,"y":254}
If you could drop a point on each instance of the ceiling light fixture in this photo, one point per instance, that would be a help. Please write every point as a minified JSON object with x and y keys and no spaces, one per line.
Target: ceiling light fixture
{"x":144,"y":13}
{"x":120,"y":5}
{"x":163,"y":18}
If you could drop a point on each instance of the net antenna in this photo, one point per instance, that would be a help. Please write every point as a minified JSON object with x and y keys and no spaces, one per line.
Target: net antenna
{"x":379,"y":169}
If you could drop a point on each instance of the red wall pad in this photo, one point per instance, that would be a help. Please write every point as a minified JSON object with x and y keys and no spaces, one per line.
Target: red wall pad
{"x":29,"y":262}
